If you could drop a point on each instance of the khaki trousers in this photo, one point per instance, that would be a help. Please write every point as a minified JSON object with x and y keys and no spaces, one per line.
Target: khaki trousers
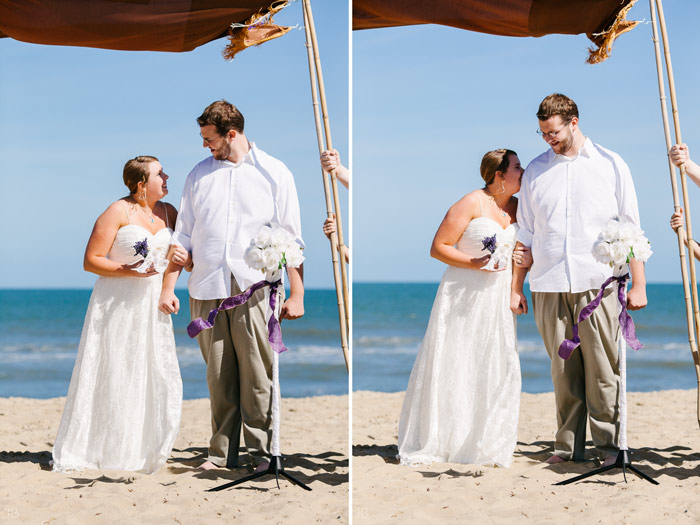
{"x":239,"y":375}
{"x":588,"y":383}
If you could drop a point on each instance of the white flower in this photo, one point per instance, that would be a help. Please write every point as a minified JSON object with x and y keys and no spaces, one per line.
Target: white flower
{"x":500,"y":258}
{"x":263,"y":237}
{"x":272,"y":246}
{"x":602,"y":251}
{"x":642,"y":250}
{"x":619,"y":242}
{"x":281,"y":238}
{"x":293,"y":255}
{"x":611,"y":231}
{"x":253,"y":257}
{"x":271,"y":258}
{"x":619,"y":253}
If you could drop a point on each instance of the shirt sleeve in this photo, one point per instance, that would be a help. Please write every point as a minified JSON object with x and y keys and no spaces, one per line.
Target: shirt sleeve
{"x":525,"y":216}
{"x":628,"y":209}
{"x":289,"y":213}
{"x":185,"y":217}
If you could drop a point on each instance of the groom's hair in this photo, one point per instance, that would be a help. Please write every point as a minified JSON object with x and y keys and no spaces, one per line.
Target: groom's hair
{"x":493,"y":161}
{"x":557,"y":104}
{"x":136,"y":170}
{"x":224,"y":116}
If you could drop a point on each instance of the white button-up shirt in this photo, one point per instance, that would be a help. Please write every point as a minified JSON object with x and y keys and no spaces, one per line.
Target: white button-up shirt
{"x":223,"y":206}
{"x":564,"y":205}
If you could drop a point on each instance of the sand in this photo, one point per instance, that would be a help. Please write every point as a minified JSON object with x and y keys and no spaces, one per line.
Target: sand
{"x":663,"y":435}
{"x":314,"y":442}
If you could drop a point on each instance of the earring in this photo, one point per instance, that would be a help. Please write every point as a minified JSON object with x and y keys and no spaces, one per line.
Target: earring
{"x":503,"y":187}
{"x":142,"y":197}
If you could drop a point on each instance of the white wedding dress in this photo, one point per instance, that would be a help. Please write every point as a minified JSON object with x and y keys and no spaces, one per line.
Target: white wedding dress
{"x":463,"y":396}
{"x":125,"y":396}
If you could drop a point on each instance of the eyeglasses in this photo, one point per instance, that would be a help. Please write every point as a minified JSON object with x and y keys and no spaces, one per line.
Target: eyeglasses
{"x":552,"y":134}
{"x":206,"y":140}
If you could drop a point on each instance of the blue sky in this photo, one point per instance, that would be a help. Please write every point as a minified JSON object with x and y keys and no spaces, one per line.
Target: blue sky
{"x":71,"y":118}
{"x":429,"y":101}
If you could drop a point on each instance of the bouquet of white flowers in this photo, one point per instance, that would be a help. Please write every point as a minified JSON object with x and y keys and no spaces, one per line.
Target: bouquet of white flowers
{"x":500,"y":251}
{"x":152,"y":258}
{"x":617,"y":245}
{"x":621,"y":242}
{"x":272,"y":248}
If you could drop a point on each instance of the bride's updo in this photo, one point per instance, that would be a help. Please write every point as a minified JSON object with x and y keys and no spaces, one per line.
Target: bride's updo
{"x":493,"y":161}
{"x":136,"y":170}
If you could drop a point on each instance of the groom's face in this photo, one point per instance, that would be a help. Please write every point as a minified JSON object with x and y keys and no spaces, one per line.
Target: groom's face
{"x":218,"y":145}
{"x":558,"y":134}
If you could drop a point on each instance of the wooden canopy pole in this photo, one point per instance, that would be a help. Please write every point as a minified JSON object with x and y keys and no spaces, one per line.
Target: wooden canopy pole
{"x":338,"y":263}
{"x":691,"y":307}
{"x":309,"y":23}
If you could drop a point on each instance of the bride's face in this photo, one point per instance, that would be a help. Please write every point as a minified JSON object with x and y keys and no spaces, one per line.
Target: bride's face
{"x":157,"y":184}
{"x":513,"y":175}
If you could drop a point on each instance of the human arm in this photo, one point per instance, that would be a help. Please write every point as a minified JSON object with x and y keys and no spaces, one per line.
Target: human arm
{"x":330,"y":160}
{"x":677,"y":224}
{"x":329,"y":228}
{"x":518,"y":301}
{"x":522,"y":256}
{"x":680,"y":155}
{"x":451,"y":229}
{"x":637,"y":294}
{"x":293,"y":307}
{"x":168,"y":303}
{"x":101,"y":239}
{"x":176,"y":252}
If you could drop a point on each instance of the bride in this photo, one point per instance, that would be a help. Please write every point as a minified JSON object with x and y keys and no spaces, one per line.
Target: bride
{"x":124,"y":400}
{"x":463,"y":395}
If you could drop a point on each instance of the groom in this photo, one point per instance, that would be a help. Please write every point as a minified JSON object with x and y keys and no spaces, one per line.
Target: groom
{"x":568,"y":195}
{"x":226,"y":199}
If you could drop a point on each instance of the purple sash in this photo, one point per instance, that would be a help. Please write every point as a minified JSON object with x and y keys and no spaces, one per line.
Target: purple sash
{"x":274,"y":329}
{"x":626,"y":324}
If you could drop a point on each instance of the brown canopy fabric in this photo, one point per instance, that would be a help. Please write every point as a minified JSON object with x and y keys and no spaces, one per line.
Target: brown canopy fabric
{"x":601,"y":20}
{"x":131,"y":25}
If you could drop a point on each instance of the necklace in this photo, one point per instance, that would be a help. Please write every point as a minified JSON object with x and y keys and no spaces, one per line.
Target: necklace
{"x":143,"y":209}
{"x":493,"y":199}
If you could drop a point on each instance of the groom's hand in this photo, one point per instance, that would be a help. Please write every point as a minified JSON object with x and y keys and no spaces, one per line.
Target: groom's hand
{"x":636,"y":298}
{"x":518,"y":302}
{"x":168,"y":303}
{"x":293,"y":308}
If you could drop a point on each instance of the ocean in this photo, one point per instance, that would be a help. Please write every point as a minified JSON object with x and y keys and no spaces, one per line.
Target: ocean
{"x":40,"y":332}
{"x":389,"y":321}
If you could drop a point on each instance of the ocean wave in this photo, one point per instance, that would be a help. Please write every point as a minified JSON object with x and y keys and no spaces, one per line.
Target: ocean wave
{"x":307,"y":354}
{"x":33,"y":357}
{"x":379,"y":340}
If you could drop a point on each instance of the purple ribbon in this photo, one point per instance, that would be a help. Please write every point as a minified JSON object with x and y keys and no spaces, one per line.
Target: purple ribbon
{"x":626,"y":324}
{"x":274,"y":330}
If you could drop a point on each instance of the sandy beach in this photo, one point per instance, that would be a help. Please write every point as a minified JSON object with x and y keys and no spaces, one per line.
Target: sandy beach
{"x":314,"y":442}
{"x":663,"y":435}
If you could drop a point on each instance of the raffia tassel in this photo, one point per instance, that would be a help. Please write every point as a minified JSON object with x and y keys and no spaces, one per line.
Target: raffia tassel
{"x":605,"y":40}
{"x":258,"y":29}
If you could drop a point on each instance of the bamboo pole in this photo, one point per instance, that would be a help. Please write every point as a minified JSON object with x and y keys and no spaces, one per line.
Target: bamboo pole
{"x":691,"y":306}
{"x":335,"y":251}
{"x":309,"y":19}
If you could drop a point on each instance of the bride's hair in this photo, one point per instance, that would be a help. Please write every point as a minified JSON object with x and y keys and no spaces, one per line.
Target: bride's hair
{"x":493,"y":161}
{"x":136,"y":170}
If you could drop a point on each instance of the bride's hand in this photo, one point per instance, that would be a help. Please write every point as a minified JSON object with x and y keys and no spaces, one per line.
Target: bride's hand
{"x":180,"y":256}
{"x":478,"y":263}
{"x":131,"y":269}
{"x":522,"y":256}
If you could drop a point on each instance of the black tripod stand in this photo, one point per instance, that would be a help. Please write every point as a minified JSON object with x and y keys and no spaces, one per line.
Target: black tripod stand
{"x":276,"y":469}
{"x":622,"y":461}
